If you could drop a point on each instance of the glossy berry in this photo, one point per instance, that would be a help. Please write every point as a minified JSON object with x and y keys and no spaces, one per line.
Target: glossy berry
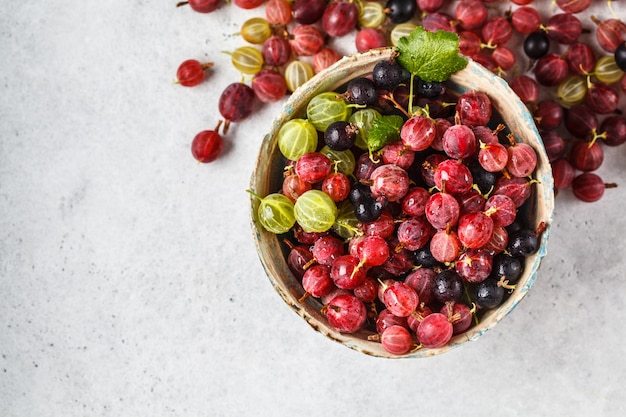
{"x":573,"y":6}
{"x":294,"y":187}
{"x":436,"y":21}
{"x":269,"y":85}
{"x":299,"y":259}
{"x":307,"y":12}
{"x":418,"y":133}
{"x":400,"y":299}
{"x":474,"y":265}
{"x":445,"y":246}
{"x":345,"y":313}
{"x":339,"y":18}
{"x":497,"y":31}
{"x":324,"y":58}
{"x":316,"y":281}
{"x":459,"y":142}
{"x":396,"y":340}
{"x":336,"y":185}
{"x":276,"y":51}
{"x":488,"y":294}
{"x":564,"y":28}
{"x":551,"y":69}
{"x":452,"y":176}
{"x":248,"y":4}
{"x":306,"y":40}
{"x":471,"y":14}
{"x":523,"y":243}
{"x":313,"y":167}
{"x":389,"y":181}
{"x":388,"y":74}
{"x":434,"y":331}
{"x":536,"y":44}
{"x":429,"y":6}
{"x":586,"y":156}
{"x":525,"y":19}
{"x":508,"y":267}
{"x":459,"y":315}
{"x":580,"y":58}
{"x":385,"y":319}
{"x":602,"y":98}
{"x":589,"y":187}
{"x":400,"y":11}
{"x":326,"y":249}
{"x":609,"y":33}
{"x":448,"y":286}
{"x":236,"y":103}
{"x":526,"y":88}
{"x":475,"y":229}
{"x":207,"y":145}
{"x":361,"y":91}
{"x":397,"y":153}
{"x":278,"y":12}
{"x":474,"y":108}
{"x":340,"y":135}
{"x":201,"y":6}
{"x":548,"y":114}
{"x":192,"y":72}
{"x":563,"y":173}
{"x":369,"y":38}
{"x":613,"y":130}
{"x":347,"y":273}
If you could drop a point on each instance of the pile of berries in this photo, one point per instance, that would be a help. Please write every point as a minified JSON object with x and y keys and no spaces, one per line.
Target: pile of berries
{"x":414,"y":241}
{"x":569,"y":72}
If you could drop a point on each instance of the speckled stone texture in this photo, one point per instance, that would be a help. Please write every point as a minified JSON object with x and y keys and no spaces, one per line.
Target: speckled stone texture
{"x":129,"y":280}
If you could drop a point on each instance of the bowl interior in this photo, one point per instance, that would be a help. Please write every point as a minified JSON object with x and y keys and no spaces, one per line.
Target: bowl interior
{"x":267,"y":178}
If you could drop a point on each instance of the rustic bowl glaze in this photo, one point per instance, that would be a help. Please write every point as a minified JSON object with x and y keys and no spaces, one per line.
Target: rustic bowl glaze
{"x":267,"y":178}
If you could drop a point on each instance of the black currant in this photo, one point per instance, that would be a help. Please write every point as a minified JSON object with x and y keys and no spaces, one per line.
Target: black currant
{"x":368,"y":210}
{"x":523,"y":243}
{"x":537,"y":44}
{"x":507,"y":266}
{"x":448,"y":286}
{"x":340,"y":135}
{"x":488,"y":293}
{"x":361,"y":91}
{"x":400,"y":11}
{"x":388,"y":74}
{"x":428,"y":89}
{"x":358,"y":193}
{"x":424,"y":258}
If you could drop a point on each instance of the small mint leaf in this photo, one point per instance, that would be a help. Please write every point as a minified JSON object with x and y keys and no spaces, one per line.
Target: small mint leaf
{"x":385,"y":129}
{"x":432,"y":56}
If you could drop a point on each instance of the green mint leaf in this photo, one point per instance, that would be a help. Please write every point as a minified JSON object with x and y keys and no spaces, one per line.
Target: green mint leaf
{"x":432,"y":56}
{"x":385,"y":129}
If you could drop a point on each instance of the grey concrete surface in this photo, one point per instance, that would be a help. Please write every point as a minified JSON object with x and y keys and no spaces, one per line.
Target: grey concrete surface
{"x":129,"y":280}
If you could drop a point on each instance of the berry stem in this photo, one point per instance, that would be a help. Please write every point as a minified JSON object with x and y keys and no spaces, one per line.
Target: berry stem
{"x":411,"y":94}
{"x":219,"y":124}
{"x":255,"y":195}
{"x":389,"y":97}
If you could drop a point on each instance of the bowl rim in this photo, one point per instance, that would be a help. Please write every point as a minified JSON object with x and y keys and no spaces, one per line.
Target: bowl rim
{"x":543,"y":194}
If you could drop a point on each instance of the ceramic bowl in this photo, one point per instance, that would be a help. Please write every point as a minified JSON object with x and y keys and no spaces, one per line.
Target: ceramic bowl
{"x":268,"y":174}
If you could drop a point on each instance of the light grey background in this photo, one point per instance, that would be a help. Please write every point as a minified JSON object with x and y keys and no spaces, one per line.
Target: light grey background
{"x":130,"y":284}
